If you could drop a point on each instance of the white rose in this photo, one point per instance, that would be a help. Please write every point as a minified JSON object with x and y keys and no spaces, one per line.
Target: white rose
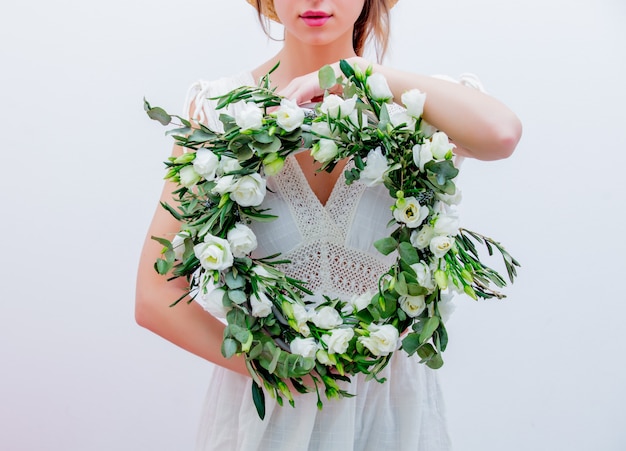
{"x":301,"y":316}
{"x":422,"y":155}
{"x":440,"y":145}
{"x":382,"y":340}
{"x":261,"y":305}
{"x":424,"y":275}
{"x":427,"y":129}
{"x":224,"y":185}
{"x":446,"y":225}
{"x":249,"y":190}
{"x":440,"y":245}
{"x":378,"y":87}
{"x":214,"y":253}
{"x":188,"y":176}
{"x":241,"y":239}
{"x":421,"y":238}
{"x":401,"y":117}
{"x":306,"y":347}
{"x":338,"y":340}
{"x":322,"y":129}
{"x":410,"y":212}
{"x":446,"y":306}
{"x":336,"y":107}
{"x":412,"y":305}
{"x":289,"y":116}
{"x":326,"y":318}
{"x":178,"y":245}
{"x":322,"y":356}
{"x":375,"y":168}
{"x":451,"y":199}
{"x":249,"y":117}
{"x":357,"y":303}
{"x":272,"y":164}
{"x":206,"y":163}
{"x":268,"y":277}
{"x":211,"y":297}
{"x":414,"y":100}
{"x":324,"y":150}
{"x":228,"y":164}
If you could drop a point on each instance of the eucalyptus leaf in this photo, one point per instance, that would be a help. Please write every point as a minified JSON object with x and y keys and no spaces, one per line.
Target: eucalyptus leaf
{"x":386,"y":245}
{"x":266,"y":148}
{"x":160,"y":115}
{"x":162,"y":267}
{"x":263,"y":137}
{"x":237,"y":296}
{"x":429,"y":328}
{"x":229,"y":347}
{"x":241,"y":334}
{"x":234,"y":282}
{"x":410,"y":343}
{"x":408,"y":253}
{"x":435,"y":362}
{"x":327,"y":78}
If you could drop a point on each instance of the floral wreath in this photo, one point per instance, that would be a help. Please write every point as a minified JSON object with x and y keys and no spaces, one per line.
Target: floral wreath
{"x":221,"y":183}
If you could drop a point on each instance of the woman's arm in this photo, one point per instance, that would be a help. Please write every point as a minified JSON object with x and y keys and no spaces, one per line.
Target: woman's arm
{"x":480,"y":126}
{"x":186,"y":325}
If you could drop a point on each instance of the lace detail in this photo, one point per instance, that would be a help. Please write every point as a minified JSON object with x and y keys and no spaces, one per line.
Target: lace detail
{"x":342,"y":199}
{"x":322,"y":258}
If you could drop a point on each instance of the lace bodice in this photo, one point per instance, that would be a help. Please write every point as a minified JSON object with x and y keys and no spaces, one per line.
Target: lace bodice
{"x":330,"y":246}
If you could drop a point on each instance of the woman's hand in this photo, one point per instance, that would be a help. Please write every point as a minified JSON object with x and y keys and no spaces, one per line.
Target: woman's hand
{"x":305,"y":89}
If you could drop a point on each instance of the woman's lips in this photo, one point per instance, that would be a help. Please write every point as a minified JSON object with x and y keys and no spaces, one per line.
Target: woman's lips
{"x":315,"y":18}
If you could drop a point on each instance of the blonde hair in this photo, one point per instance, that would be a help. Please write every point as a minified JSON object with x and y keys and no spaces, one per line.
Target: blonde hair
{"x":372,"y":26}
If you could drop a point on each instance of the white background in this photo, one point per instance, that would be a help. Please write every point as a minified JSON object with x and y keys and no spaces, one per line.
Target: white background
{"x":81,"y":169}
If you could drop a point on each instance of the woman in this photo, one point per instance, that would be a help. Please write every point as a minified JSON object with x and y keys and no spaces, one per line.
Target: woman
{"x":325,"y":228}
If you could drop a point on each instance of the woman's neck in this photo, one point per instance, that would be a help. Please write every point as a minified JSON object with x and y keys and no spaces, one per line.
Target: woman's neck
{"x":297,"y":58}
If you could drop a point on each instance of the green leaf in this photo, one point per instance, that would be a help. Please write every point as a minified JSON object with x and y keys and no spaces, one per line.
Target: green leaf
{"x":429,"y":328}
{"x":435,"y":362}
{"x":240,"y":334}
{"x":346,"y":68}
{"x":234,"y":282}
{"x":266,"y":148}
{"x":162,"y":267}
{"x":442,"y":334}
{"x":263,"y":137}
{"x":443,"y":170}
{"x":229,"y":347}
{"x":410,"y":343}
{"x":426,"y":352}
{"x":408,"y":253}
{"x":386,"y":245}
{"x":276,"y":352}
{"x":326,"y":76}
{"x":259,"y":400}
{"x":237,"y":296}
{"x":160,"y":115}
{"x":255,"y":352}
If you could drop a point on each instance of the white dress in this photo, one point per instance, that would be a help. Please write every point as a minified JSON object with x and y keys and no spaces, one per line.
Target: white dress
{"x":330,"y":246}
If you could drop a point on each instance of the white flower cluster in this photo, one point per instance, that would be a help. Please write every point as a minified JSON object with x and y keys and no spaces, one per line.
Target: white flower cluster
{"x":379,"y":339}
{"x":217,"y":254}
